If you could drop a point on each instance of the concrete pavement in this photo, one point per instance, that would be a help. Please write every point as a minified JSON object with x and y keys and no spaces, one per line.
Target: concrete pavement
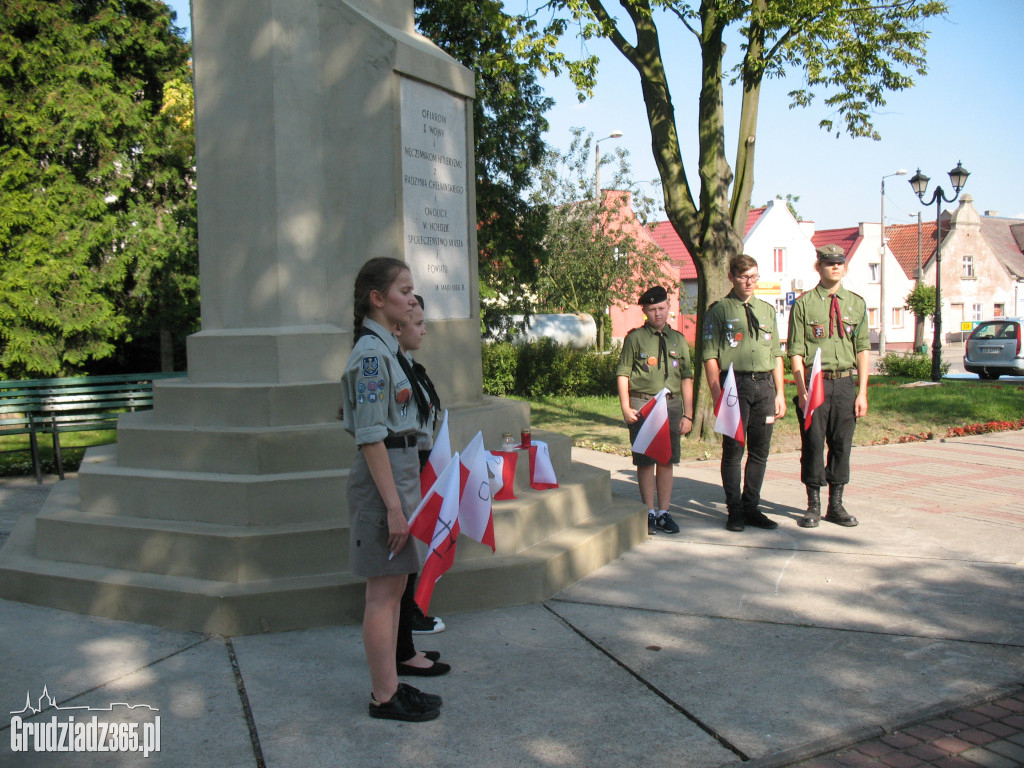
{"x":764,"y":648}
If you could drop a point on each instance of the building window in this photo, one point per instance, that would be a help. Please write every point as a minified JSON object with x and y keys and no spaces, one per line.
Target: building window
{"x":897,"y":317}
{"x":873,"y":317}
{"x":779,"y":255}
{"x":975,"y":311}
{"x":968,"y":273}
{"x":873,"y":272}
{"x":780,"y":307}
{"x":998,"y":310}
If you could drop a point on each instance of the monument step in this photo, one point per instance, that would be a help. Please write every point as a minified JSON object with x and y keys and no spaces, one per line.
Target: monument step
{"x":71,"y":531}
{"x":108,"y":488}
{"x":230,"y":608}
{"x":145,"y":443}
{"x":246,"y":405}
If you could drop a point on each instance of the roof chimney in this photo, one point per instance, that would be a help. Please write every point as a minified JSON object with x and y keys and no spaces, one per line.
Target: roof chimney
{"x":991,"y":213}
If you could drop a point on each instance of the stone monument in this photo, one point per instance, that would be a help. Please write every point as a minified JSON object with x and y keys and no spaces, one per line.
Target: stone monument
{"x":328,"y":132}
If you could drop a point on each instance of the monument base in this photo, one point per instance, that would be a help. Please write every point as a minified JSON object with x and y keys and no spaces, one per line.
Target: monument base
{"x":250,"y":573}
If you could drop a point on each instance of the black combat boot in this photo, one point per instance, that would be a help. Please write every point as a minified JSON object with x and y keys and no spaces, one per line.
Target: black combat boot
{"x":836,"y":513}
{"x":813,"y":516}
{"x":735,"y":521}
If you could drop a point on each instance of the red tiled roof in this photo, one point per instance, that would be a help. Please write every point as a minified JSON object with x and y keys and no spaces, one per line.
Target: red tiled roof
{"x":903,"y":243}
{"x":665,"y":237}
{"x":846,"y":238}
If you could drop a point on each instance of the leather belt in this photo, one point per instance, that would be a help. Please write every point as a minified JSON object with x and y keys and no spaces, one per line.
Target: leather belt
{"x":669,"y":396}
{"x":400,"y":441}
{"x":748,"y":375}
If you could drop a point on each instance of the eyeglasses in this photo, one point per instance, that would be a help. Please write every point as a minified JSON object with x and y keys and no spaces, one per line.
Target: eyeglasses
{"x":748,"y":278}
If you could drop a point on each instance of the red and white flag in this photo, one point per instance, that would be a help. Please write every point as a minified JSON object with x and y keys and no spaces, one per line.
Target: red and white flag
{"x":440,"y":455}
{"x":653,"y":439}
{"x":502,"y":467}
{"x":815,"y":390}
{"x":542,"y":473}
{"x":436,"y":522}
{"x":476,"y":518}
{"x":728,"y":419}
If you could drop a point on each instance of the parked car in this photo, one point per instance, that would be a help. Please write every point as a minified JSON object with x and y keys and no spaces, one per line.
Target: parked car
{"x":994,"y":348}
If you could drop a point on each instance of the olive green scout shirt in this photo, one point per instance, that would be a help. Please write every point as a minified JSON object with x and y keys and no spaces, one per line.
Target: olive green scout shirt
{"x":729,"y":339}
{"x":808,"y":329}
{"x":640,"y":361}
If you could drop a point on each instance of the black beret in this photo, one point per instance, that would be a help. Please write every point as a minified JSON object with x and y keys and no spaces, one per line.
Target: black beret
{"x":831,"y":254}
{"x":654,"y":295}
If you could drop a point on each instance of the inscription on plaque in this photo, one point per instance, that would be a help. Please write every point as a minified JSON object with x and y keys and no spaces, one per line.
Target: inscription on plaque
{"x":435,"y":201}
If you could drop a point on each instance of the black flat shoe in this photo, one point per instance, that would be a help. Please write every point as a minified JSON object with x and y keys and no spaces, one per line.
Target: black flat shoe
{"x":432,"y":655}
{"x":434,"y":670}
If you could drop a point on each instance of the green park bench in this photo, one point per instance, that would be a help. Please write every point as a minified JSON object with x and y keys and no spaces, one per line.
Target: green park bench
{"x":53,"y":406}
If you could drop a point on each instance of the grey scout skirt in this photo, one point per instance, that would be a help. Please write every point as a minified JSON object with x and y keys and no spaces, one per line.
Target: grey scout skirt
{"x":368,"y":518}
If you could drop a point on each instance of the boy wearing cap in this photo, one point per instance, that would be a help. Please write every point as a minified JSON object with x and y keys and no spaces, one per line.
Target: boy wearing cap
{"x":655,"y":356}
{"x":830,"y":318}
{"x":741,"y":330}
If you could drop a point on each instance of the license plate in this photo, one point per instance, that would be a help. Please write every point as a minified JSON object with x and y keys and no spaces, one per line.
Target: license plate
{"x":991,"y":350}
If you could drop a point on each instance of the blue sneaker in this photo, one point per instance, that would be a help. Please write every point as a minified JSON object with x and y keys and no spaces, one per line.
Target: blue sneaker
{"x":666,"y":524}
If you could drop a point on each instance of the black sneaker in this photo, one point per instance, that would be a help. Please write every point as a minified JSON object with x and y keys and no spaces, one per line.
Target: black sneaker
{"x":758,"y":519}
{"x":666,"y":524}
{"x":407,"y":704}
{"x":430,"y":699}
{"x":425,"y":625}
{"x":652,"y":527}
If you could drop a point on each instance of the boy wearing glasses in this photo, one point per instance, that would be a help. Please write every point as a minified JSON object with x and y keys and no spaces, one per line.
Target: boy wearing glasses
{"x":741,"y":330}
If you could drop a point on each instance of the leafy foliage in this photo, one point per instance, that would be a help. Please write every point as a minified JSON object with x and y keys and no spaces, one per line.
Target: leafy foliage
{"x":921,"y":300}
{"x":912,"y":365}
{"x":96,"y":182}
{"x":545,"y":367}
{"x":594,"y":257}
{"x":508,"y":122}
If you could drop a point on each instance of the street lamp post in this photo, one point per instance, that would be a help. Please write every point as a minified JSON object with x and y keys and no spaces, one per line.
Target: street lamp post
{"x":881,"y":270}
{"x":597,"y":162}
{"x":919,"y":183}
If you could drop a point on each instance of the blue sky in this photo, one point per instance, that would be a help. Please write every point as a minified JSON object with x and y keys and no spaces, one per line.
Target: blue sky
{"x":967,"y":108}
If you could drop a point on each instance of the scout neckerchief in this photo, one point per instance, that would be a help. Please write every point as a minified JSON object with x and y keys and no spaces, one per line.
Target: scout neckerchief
{"x":835,"y":317}
{"x":422,"y":406}
{"x":752,"y":323}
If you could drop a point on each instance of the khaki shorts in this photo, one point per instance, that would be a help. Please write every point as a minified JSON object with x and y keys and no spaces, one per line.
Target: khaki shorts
{"x":368,"y":517}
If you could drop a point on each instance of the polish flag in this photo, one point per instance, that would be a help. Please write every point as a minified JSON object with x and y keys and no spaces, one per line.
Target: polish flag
{"x":502,"y":467}
{"x":440,"y":455}
{"x":815,"y":390}
{"x":728,"y":419}
{"x":476,"y":518}
{"x":653,"y":438}
{"x":436,"y":522}
{"x":542,"y":473}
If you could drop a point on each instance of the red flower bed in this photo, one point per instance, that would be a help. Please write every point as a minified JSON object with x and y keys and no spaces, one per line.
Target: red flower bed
{"x":981,"y":429}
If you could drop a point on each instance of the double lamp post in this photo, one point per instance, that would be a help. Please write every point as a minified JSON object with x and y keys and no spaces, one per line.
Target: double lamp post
{"x":919,"y":183}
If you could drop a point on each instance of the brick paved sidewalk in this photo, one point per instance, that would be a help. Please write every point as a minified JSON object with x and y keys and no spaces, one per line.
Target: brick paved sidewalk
{"x":989,"y":735}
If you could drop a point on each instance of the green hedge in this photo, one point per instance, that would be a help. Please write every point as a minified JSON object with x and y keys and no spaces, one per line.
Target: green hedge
{"x":544,"y":367}
{"x":911,"y":365}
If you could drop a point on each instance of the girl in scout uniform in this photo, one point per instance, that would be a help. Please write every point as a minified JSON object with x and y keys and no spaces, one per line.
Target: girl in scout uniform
{"x":379,"y":410}
{"x":410,"y":661}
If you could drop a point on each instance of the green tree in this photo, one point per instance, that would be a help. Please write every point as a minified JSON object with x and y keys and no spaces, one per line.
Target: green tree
{"x":508,"y":124}
{"x":84,"y":175}
{"x":851,"y":50}
{"x":921,"y":302}
{"x":593,"y":256}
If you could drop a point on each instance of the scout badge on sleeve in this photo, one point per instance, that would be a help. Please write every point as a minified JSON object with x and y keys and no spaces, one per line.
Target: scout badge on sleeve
{"x":370,"y":366}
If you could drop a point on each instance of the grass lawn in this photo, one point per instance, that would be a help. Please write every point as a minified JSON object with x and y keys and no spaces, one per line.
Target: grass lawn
{"x":16,"y":456}
{"x":896,"y":409}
